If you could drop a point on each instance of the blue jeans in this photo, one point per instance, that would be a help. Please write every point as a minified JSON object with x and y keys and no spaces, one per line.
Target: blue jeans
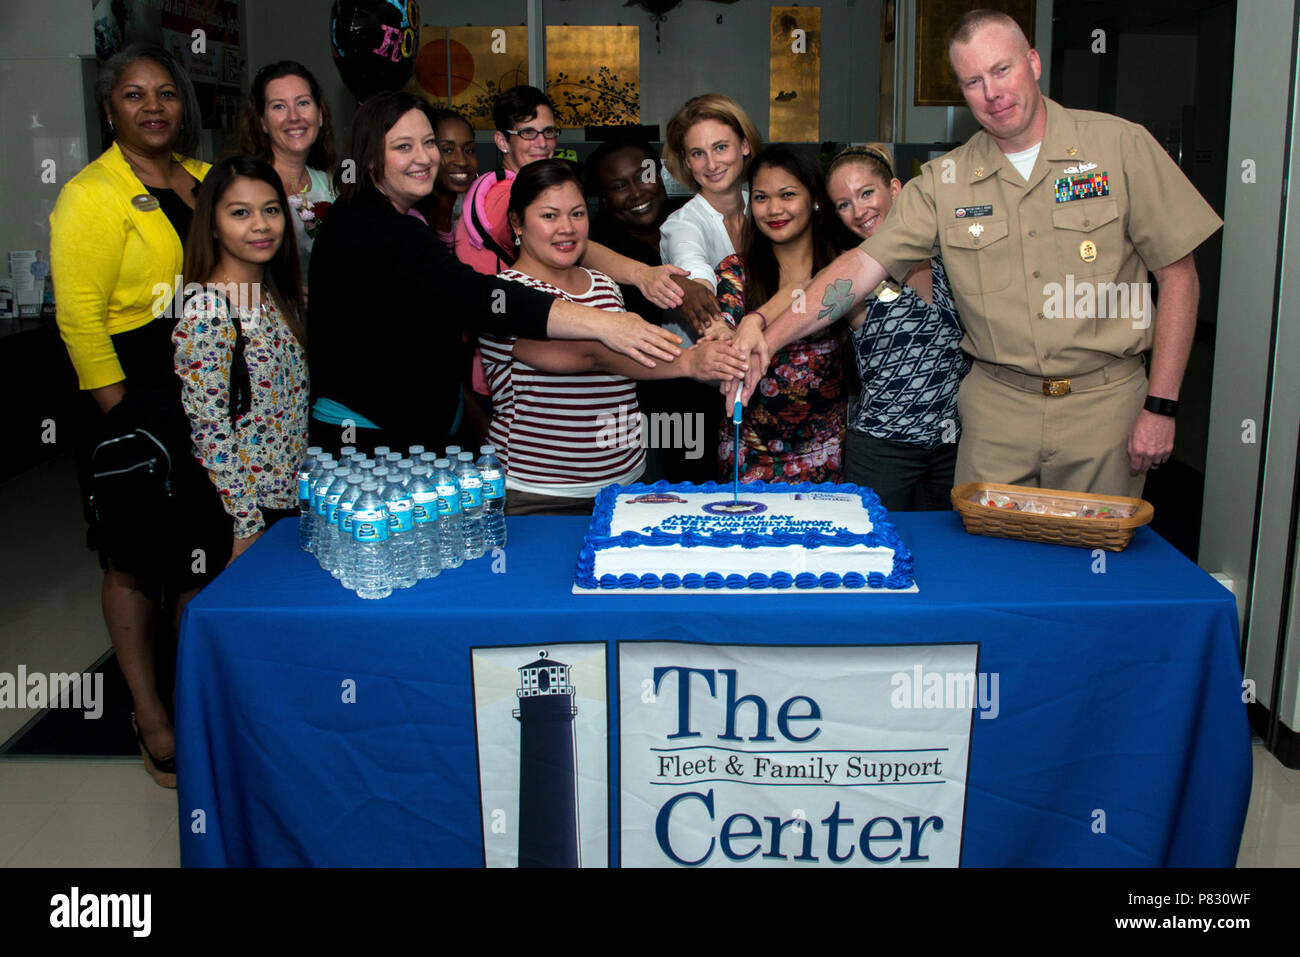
{"x":908,"y":478}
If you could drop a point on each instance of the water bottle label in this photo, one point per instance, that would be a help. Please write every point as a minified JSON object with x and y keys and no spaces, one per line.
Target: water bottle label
{"x":401,"y":515}
{"x":304,"y":488}
{"x":319,"y":505}
{"x":332,"y":508}
{"x":471,"y":492}
{"x":369,"y":525}
{"x":494,"y":486}
{"x":426,"y":506}
{"x":448,"y":500}
{"x":345,"y":518}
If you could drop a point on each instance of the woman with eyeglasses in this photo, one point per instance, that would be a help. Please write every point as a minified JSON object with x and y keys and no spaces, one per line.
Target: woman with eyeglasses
{"x":526,"y":132}
{"x":286,"y":123}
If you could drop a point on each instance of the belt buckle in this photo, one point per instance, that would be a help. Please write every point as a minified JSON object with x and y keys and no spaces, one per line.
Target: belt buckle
{"x":1056,"y":387}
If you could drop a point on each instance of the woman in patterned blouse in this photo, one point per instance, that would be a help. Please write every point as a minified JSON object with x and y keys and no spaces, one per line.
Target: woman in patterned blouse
{"x":793,"y":427}
{"x":902,"y":440}
{"x":239,"y":345}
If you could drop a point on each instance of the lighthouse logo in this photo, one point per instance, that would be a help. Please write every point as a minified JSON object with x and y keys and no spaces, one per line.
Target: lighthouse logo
{"x":541,"y":724}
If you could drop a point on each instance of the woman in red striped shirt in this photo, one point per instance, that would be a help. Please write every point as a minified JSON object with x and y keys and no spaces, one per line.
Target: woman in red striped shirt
{"x":566,"y":419}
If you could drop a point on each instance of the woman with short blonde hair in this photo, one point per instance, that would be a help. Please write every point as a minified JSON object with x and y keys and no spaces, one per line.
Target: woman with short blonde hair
{"x":707,"y":147}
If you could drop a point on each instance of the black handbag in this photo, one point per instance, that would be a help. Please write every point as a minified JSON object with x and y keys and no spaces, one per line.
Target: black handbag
{"x":153,"y":504}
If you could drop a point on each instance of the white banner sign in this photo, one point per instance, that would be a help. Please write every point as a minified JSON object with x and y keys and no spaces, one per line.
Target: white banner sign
{"x":764,"y":756}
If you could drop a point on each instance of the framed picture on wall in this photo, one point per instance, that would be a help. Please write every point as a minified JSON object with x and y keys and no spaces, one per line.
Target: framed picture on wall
{"x":935,"y":84}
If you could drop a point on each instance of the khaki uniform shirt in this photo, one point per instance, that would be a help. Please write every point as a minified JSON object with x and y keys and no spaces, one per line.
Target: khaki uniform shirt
{"x":1035,"y":265}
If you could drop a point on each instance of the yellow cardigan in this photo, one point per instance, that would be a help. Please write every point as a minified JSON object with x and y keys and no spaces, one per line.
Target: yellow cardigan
{"x":106,"y":258}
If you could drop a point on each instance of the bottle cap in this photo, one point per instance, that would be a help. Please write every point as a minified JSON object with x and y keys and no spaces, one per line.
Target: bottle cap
{"x":466,"y":456}
{"x":369,"y":485}
{"x":314,"y":451}
{"x":381,"y":451}
{"x":415,"y":451}
{"x":442,"y":463}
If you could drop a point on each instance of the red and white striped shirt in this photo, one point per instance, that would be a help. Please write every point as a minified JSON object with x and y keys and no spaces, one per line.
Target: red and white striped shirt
{"x":564,"y":435}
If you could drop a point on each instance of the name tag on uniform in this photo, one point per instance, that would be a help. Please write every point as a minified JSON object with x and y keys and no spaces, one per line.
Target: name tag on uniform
{"x":964,"y":212}
{"x":1082,"y":187}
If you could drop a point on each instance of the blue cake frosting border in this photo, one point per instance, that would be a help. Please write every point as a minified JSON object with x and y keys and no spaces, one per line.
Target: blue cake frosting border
{"x":882,"y":535}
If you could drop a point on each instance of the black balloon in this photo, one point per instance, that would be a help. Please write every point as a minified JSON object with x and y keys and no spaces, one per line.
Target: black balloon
{"x":374,"y":43}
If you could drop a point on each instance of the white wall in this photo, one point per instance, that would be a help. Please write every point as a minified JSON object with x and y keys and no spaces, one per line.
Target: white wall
{"x":1242,"y":357}
{"x":46,"y":49}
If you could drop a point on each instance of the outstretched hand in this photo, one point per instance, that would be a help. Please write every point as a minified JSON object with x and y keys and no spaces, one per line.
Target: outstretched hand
{"x":656,"y":284}
{"x":714,"y":359}
{"x":699,"y":306}
{"x":632,"y":336}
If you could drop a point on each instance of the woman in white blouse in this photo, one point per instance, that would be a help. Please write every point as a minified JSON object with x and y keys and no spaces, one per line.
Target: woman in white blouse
{"x":707,"y":148}
{"x":286,"y":123}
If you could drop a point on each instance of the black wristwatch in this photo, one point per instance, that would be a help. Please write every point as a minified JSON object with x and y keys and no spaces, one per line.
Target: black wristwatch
{"x":1161,"y":406}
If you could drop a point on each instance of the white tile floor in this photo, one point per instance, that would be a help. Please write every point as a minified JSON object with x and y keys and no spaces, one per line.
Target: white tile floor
{"x":110,"y":813}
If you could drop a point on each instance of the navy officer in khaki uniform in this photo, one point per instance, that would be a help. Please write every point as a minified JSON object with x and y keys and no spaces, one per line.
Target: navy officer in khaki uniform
{"x":1049,"y":221}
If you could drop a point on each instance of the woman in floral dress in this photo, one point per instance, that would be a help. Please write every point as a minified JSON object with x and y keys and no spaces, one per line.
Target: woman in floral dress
{"x":793,"y":428}
{"x":240,"y":346}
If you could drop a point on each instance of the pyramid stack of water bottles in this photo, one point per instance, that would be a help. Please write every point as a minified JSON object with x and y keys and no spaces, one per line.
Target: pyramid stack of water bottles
{"x":385,"y":523}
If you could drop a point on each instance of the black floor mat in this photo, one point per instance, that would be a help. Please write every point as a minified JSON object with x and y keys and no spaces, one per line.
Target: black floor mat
{"x":66,"y":732}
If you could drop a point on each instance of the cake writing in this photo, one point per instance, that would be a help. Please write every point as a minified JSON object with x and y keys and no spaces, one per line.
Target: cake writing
{"x":756,"y":524}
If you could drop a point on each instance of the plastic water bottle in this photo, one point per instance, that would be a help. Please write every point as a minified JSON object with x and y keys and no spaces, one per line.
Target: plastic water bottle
{"x":401,"y":530}
{"x":329,"y":552}
{"x":324,"y":463}
{"x":342,"y":566}
{"x":494,"y":497}
{"x":370,"y":543}
{"x":471,"y":504}
{"x":414,"y":452}
{"x":305,"y":517}
{"x":404,"y":471}
{"x":451,"y":536}
{"x":320,"y":509}
{"x":424,"y":496}
{"x":452,"y":455}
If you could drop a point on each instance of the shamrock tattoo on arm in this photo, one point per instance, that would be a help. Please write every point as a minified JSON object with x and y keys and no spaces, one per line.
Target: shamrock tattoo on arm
{"x":837,"y":300}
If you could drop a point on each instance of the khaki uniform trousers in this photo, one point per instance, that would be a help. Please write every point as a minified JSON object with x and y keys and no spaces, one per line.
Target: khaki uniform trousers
{"x":1014,"y":434}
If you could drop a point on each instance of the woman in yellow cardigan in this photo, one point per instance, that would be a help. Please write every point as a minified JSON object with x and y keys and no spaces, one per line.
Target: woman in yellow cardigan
{"x":116,"y":239}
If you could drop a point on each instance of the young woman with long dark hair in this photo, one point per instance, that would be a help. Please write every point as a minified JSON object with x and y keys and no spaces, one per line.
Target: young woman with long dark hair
{"x":240,"y":345}
{"x":793,"y":427}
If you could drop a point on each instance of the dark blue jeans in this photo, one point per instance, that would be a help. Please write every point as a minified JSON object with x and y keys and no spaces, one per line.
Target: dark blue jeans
{"x":908,"y":478}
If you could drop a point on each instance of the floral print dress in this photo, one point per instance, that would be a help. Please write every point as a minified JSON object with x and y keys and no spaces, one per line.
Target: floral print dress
{"x":793,"y":428}
{"x":254,"y":464}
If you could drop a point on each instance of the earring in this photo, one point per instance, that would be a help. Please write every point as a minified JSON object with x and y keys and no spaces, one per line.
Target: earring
{"x":516,"y":239}
{"x":817,"y":207}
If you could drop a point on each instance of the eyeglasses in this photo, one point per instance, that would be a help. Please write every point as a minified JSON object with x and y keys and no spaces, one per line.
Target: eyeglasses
{"x":528,"y":133}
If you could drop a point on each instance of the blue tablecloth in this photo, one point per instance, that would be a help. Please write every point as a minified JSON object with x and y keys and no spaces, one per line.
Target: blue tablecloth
{"x":1120,"y":691}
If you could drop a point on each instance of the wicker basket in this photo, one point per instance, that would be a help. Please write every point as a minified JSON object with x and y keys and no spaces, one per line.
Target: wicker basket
{"x":1111,"y":534}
